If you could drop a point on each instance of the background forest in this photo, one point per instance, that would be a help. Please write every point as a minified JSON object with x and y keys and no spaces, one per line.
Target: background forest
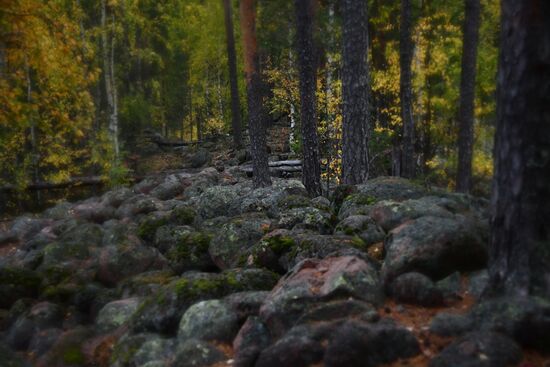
{"x":80,"y":80}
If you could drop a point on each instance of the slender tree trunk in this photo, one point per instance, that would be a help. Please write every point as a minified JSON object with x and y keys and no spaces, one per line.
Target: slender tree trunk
{"x":109,"y":74}
{"x":292,"y":116}
{"x":467,"y":95}
{"x":256,"y":124}
{"x":232,"y":63}
{"x":427,"y":149}
{"x":519,"y":261}
{"x":405,"y":50}
{"x":355,"y":92}
{"x":311,"y":169}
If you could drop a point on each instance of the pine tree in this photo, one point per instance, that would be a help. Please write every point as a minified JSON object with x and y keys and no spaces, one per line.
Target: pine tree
{"x":467,"y":95}
{"x":405,"y":59}
{"x":311,"y":175}
{"x":256,"y":124}
{"x":355,"y":92}
{"x":519,"y":255}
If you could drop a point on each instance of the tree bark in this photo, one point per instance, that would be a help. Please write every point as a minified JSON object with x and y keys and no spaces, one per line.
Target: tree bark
{"x":232,"y":64}
{"x":256,"y":124}
{"x":355,"y":92}
{"x":467,"y":95}
{"x":109,"y":75}
{"x":311,"y":175}
{"x":519,"y":253}
{"x":405,"y":50}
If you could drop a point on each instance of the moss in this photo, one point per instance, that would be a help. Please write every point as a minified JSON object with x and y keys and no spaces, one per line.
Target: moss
{"x":189,"y":245}
{"x":362,"y":199}
{"x":73,"y":355}
{"x":293,"y":201}
{"x":358,"y":243}
{"x":183,"y":215}
{"x":19,"y":277}
{"x":148,"y":228}
{"x":280,"y":244}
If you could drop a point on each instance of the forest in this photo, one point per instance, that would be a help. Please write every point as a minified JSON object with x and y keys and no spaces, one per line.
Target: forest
{"x":266,"y":183}
{"x":83,"y":79}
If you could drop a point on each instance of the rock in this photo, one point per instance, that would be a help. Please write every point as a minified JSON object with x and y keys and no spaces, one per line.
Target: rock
{"x":60,"y":211}
{"x":93,"y":211}
{"x":391,"y":188}
{"x":163,"y":310}
{"x":362,"y":226}
{"x":117,"y":196}
{"x":170,"y":188}
{"x":42,"y":341}
{"x":340,"y":193}
{"x":267,"y":199}
{"x":450,"y":287}
{"x":297,"y":348}
{"x":252,"y":338}
{"x":292,"y":202}
{"x":479,"y":349}
{"x":360,"y":344}
{"x":525,"y":319}
{"x":321,"y":202}
{"x":42,"y":316}
{"x":155,"y":349}
{"x":139,"y":204}
{"x":68,"y":350}
{"x":356,"y":204}
{"x":417,"y":289}
{"x":16,"y":283}
{"x":149,"y":225}
{"x":116,"y":314}
{"x":477,"y":282}
{"x":184,"y":248}
{"x":280,"y":250}
{"x":24,"y":228}
{"x":235,"y":237}
{"x":435,"y":246}
{"x":209,"y":320}
{"x":307,"y":218}
{"x":127,"y":257}
{"x":8,"y":358}
{"x":197,"y":353}
{"x":200,"y":159}
{"x":136,"y":350}
{"x":145,"y":284}
{"x":390,"y":214}
{"x":246,"y":304}
{"x":340,"y":309}
{"x":216,"y":201}
{"x":446,"y":324}
{"x":312,"y":281}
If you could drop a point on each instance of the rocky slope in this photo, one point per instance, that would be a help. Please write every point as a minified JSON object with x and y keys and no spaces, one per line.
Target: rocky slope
{"x":200,"y":269}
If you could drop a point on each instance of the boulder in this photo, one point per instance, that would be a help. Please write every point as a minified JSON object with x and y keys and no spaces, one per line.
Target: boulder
{"x":417,"y":289}
{"x":235,"y":237}
{"x":448,"y":324}
{"x":479,"y":349}
{"x":197,"y":353}
{"x":210,"y":320}
{"x":42,"y":316}
{"x":306,"y":218}
{"x":252,"y":338}
{"x":362,"y":226}
{"x":216,"y":201}
{"x":115,"y":314}
{"x":16,"y":283}
{"x":139,"y":349}
{"x":93,"y":210}
{"x":162,"y":311}
{"x":312,"y":281}
{"x":170,"y":188}
{"x":200,"y":159}
{"x":435,"y":246}
{"x":8,"y":358}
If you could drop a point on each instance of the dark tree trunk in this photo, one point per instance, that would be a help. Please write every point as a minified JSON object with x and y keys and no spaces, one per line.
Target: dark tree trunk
{"x":519,"y":261}
{"x":467,"y":95}
{"x":311,"y":175}
{"x":405,"y":50}
{"x":355,"y":92}
{"x":256,"y":124}
{"x":232,"y":63}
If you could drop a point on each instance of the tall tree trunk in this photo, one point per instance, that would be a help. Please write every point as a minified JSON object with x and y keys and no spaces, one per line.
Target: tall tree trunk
{"x":355,"y":92}
{"x":256,"y":124}
{"x":311,"y":171}
{"x":519,"y":255}
{"x":232,"y":63}
{"x":405,"y":50}
{"x":109,"y":78}
{"x":467,"y":95}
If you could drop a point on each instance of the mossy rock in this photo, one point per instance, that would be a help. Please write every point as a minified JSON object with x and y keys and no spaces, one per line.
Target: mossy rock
{"x":69,"y":349}
{"x":17,"y":283}
{"x":148,"y":226}
{"x":162,"y":311}
{"x":293,"y":201}
{"x":183,"y":215}
{"x":191,"y":253}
